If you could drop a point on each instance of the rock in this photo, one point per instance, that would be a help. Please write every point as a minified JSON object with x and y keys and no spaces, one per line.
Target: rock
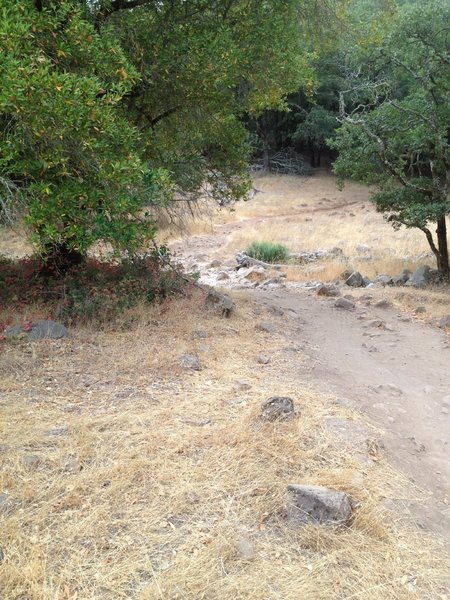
{"x":39,"y":330}
{"x":219,"y":303}
{"x":384,"y":279}
{"x":444,"y":322}
{"x":245,"y":549}
{"x":201,"y":333}
{"x":383,"y":303}
{"x":419,"y":310}
{"x":265,"y":326}
{"x":402,"y":277}
{"x":362,"y":248}
{"x":345,"y":274}
{"x":7,"y":504}
{"x":366,"y":281}
{"x":215,"y":264}
{"x":273,"y":280}
{"x":328,"y":290}
{"x":264,"y":359}
{"x":31,"y":461}
{"x":222,"y":276}
{"x":276,"y":310}
{"x":70,"y":465}
{"x":355,"y":280}
{"x":187,"y":361}
{"x":420,"y":278}
{"x":277,"y":408}
{"x":244,"y":260}
{"x":344,"y":303}
{"x":57,"y":431}
{"x":313,"y":504}
{"x":254,"y":273}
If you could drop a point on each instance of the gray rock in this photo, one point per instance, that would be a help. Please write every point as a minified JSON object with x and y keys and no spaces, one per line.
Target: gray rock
{"x":383,"y":303}
{"x":384,"y":279}
{"x":253,"y":273}
{"x":201,"y":333}
{"x":308,"y":504}
{"x":264,"y":359}
{"x":328,"y":291}
{"x":187,"y":361}
{"x":215,"y":264}
{"x":344,"y":303}
{"x":265,"y":326}
{"x":276,"y":310}
{"x":444,"y":322}
{"x":7,"y":504}
{"x":355,"y":280}
{"x":345,"y":274}
{"x":362,"y":248}
{"x":366,"y":281}
{"x":31,"y":461}
{"x":402,"y":277}
{"x":277,"y":408}
{"x":420,"y":309}
{"x":420,"y":278}
{"x":244,"y":260}
{"x":222,"y":276}
{"x":219,"y":303}
{"x":39,"y":330}
{"x":57,"y":431}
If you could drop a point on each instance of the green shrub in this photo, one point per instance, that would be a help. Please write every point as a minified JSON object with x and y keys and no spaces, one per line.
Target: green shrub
{"x":268,"y":252}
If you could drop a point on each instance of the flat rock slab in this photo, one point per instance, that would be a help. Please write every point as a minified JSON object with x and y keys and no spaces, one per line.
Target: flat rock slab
{"x":313,"y":504}
{"x":39,"y":331}
{"x":345,"y":304}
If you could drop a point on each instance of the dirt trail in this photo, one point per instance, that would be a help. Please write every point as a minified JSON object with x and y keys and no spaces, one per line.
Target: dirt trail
{"x":393,"y":370}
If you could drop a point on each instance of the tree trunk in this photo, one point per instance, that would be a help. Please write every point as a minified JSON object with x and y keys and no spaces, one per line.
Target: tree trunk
{"x":442,"y":258}
{"x":312,"y":155}
{"x":266,"y":161}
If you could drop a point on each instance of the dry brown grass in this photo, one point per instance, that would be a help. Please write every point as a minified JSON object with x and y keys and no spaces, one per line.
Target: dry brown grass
{"x":160,"y":473}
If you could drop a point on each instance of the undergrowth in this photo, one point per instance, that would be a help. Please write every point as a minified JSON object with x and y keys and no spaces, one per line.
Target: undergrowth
{"x":268,"y":252}
{"x":96,"y":292}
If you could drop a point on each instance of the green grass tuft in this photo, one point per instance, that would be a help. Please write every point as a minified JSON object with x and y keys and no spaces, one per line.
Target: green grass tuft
{"x":268,"y":252}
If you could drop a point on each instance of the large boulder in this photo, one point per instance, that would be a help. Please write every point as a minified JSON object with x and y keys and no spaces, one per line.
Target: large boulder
{"x":39,"y":330}
{"x":314,"y":504}
{"x":402,"y":277}
{"x":420,"y":278}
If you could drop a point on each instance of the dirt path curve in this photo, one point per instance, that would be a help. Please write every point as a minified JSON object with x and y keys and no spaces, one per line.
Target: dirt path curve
{"x":393,"y":370}
{"x":396,"y":374}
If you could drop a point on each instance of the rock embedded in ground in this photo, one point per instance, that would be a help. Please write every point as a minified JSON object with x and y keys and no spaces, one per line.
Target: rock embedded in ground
{"x":244,"y":260}
{"x":201,"y":333}
{"x":328,"y":291}
{"x":362,"y":248}
{"x":355,"y":280}
{"x":264,"y":359}
{"x":219,"y":303}
{"x":345,"y":274}
{"x":420,"y":278}
{"x":383,"y":303}
{"x":188,"y":361}
{"x":313,"y":504}
{"x":402,"y":277}
{"x":277,"y":408}
{"x":40,"y":330}
{"x":31,"y":461}
{"x":215,"y":264}
{"x":444,"y":322}
{"x":384,"y":279}
{"x":245,"y":549}
{"x":265,"y":326}
{"x":344,"y":304}
{"x":419,"y":310}
{"x":223,"y":275}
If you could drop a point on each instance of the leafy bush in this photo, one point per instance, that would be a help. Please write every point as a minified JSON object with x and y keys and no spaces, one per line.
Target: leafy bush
{"x":94,"y":292}
{"x":268,"y":252}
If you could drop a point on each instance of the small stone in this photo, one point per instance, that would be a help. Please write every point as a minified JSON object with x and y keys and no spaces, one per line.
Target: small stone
{"x":444,"y":322}
{"x":222,"y":276}
{"x":362,"y":248}
{"x":277,"y":408}
{"x":7,"y":504}
{"x":219,"y":303}
{"x":265,"y":326}
{"x":420,"y":310}
{"x":188,"y":361}
{"x":328,"y":291}
{"x":215,"y":264}
{"x":276,"y":310}
{"x":201,"y":333}
{"x":57,"y":431}
{"x":31,"y":461}
{"x":70,"y":465}
{"x":383,"y":303}
{"x":344,"y":303}
{"x":317,"y":505}
{"x":264,"y":359}
{"x":245,"y":549}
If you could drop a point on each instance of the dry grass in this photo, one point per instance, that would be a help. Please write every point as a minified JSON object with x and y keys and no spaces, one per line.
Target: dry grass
{"x":159,"y":474}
